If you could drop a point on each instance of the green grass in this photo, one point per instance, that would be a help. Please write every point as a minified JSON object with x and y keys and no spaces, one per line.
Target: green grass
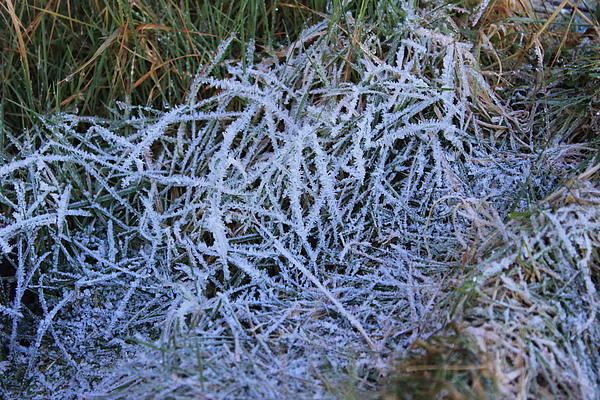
{"x":66,"y":55}
{"x":201,"y":197}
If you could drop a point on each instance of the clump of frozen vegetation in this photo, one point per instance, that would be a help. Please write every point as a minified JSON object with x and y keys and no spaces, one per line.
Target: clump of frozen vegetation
{"x":282,"y":237}
{"x":537,"y":305}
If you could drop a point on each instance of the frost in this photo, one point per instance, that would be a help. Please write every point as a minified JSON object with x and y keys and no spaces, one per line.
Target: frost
{"x":296,"y":223}
{"x":543,"y":276}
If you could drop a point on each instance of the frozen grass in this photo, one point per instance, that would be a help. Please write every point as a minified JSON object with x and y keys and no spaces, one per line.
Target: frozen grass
{"x":525,"y":318}
{"x":355,"y":210}
{"x":537,"y":305}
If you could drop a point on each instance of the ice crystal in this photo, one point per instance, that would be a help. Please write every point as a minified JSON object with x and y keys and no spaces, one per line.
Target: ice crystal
{"x":297,"y":222}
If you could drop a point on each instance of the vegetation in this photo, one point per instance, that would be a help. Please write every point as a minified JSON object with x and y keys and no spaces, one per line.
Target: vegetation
{"x":299,"y":199}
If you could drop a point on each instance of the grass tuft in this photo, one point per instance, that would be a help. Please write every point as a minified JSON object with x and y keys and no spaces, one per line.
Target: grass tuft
{"x":320,"y":199}
{"x":66,"y":55}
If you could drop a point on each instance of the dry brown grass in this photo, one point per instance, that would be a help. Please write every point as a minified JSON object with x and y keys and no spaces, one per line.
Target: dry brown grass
{"x":525,"y":321}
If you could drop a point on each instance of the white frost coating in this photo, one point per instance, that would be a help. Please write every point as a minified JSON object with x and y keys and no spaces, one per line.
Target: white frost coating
{"x":327,"y":293}
{"x":254,"y":239}
{"x":44,"y":325}
{"x":16,"y":165}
